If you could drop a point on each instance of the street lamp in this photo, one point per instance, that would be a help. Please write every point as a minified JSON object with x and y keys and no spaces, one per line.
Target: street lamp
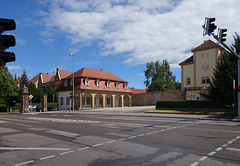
{"x":73,"y":81}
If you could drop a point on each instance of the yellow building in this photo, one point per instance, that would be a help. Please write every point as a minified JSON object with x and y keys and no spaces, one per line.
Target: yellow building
{"x":197,"y":70}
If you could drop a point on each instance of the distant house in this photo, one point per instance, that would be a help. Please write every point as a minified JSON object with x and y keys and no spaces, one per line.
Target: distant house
{"x":45,"y":80}
{"x":35,"y":80}
{"x":60,"y":75}
{"x":94,"y":88}
{"x":197,"y":70}
{"x":138,"y":91}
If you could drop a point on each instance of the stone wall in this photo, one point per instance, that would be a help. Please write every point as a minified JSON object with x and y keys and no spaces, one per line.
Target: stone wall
{"x":150,"y":98}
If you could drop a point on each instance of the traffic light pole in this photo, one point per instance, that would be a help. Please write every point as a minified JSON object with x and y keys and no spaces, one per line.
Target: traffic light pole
{"x":238,"y":70}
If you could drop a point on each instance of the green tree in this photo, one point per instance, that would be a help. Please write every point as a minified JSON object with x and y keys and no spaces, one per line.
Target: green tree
{"x":24,"y":78}
{"x":224,"y":74}
{"x":8,"y":88}
{"x":37,"y":94}
{"x":159,"y":77}
{"x":50,"y":92}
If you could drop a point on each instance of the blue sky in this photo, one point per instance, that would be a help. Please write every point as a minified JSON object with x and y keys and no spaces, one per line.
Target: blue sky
{"x":119,"y":36}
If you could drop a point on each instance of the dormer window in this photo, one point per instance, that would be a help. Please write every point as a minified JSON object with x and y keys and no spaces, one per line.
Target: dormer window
{"x":71,"y":82}
{"x":125,"y":86}
{"x":108,"y":84}
{"x":98,"y":83}
{"x":65,"y":83}
{"x":117,"y":85}
{"x":87,"y":82}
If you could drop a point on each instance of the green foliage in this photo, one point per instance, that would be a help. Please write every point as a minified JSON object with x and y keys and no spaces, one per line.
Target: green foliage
{"x":24,"y":79}
{"x":37,"y":94}
{"x":190,"y":104}
{"x":50,"y":92}
{"x":221,"y":85}
{"x":8,"y":88}
{"x":159,"y":77}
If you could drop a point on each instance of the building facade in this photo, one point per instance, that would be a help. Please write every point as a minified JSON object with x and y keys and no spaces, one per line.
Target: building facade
{"x":93,"y":88}
{"x":197,"y":70}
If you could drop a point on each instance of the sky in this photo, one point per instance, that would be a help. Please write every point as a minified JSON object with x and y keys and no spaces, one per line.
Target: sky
{"x":119,"y":36}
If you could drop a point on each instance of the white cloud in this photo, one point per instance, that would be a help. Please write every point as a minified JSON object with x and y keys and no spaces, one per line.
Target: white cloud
{"x":143,"y":30}
{"x":10,"y":68}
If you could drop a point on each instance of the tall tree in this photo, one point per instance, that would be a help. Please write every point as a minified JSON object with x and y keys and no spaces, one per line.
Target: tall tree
{"x":224,"y":74}
{"x":24,"y":78}
{"x":159,"y":77}
{"x":8,"y":88}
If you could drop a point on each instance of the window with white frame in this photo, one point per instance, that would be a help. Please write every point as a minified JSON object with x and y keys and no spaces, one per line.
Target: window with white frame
{"x":61,"y":101}
{"x":71,"y":82}
{"x":117,"y":85}
{"x":108,"y":84}
{"x":98,"y":83}
{"x":203,"y":67}
{"x":188,"y":81}
{"x":65,"y":83}
{"x":207,"y":67}
{"x":202,"y":55}
{"x":207,"y":54}
{"x":87,"y":82}
{"x":125,"y":86}
{"x":67,"y":101}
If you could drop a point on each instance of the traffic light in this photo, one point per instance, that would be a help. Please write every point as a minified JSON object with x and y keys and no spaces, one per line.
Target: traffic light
{"x":6,"y":41}
{"x":238,"y":88}
{"x":209,"y":26}
{"x":221,"y":35}
{"x":70,"y":95}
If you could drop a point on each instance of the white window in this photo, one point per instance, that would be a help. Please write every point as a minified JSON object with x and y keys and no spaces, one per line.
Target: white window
{"x":98,"y":83}
{"x":117,"y":85}
{"x":71,"y":82}
{"x":67,"y":101}
{"x":108,"y":84}
{"x":203,"y":67}
{"x":202,"y":55}
{"x":61,"y":101}
{"x":87,"y":82}
{"x":188,"y":81}
{"x":207,"y":67}
{"x":65,"y":83}
{"x":125,"y":86}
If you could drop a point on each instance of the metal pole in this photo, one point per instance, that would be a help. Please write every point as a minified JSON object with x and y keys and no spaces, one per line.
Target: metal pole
{"x":238,"y":63}
{"x":73,"y":85}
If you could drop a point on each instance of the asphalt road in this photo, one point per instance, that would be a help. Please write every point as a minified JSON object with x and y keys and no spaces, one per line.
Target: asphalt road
{"x":118,"y":138}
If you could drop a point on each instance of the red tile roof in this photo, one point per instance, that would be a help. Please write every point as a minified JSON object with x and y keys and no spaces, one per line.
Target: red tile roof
{"x":103,"y":87}
{"x":35,"y":79}
{"x":96,"y":74}
{"x":138,"y":91}
{"x":187,"y":61}
{"x":64,"y":74}
{"x":47,"y":78}
{"x":206,"y":45}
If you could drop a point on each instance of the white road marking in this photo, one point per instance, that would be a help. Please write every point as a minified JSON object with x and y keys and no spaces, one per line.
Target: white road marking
{"x":131,"y":137}
{"x":62,"y":133}
{"x":122,"y":139}
{"x":98,"y":145}
{"x":140,"y":135}
{"x":110,"y":141}
{"x":203,"y":158}
{"x":87,"y":147}
{"x":225,"y":145}
{"x":148,"y":133}
{"x":194,"y":164}
{"x":218,"y":149}
{"x":212,"y":153}
{"x":24,"y":163}
{"x":229,"y":142}
{"x":48,"y":157}
{"x":66,"y":152}
{"x":10,"y":148}
{"x":234,"y":149}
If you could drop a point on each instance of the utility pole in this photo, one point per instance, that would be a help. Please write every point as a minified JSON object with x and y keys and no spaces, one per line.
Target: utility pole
{"x":208,"y":29}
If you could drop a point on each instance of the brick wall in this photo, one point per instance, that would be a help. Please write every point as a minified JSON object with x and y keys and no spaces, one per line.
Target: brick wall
{"x":149,"y":98}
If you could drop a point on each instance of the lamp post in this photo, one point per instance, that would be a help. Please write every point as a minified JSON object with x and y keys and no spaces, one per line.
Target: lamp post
{"x":73,"y":81}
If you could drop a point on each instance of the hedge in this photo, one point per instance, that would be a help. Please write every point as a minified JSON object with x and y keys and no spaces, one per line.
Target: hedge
{"x":190,"y":104}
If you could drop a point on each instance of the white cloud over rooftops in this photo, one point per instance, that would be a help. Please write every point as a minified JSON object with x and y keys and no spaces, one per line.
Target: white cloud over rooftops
{"x":147,"y":30}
